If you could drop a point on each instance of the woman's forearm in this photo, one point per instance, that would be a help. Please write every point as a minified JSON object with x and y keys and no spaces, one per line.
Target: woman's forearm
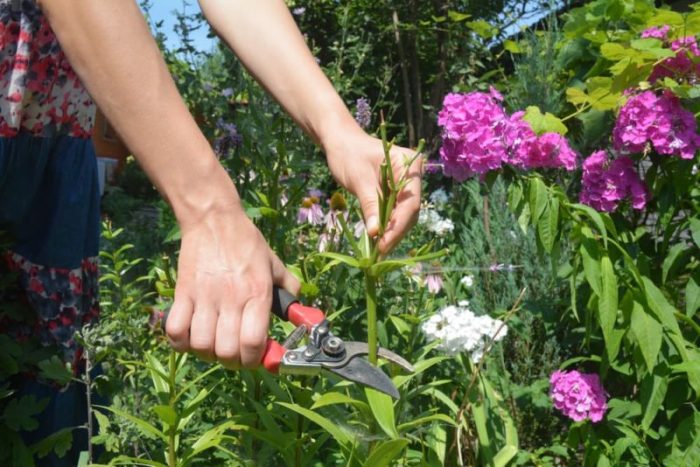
{"x":110,"y":46}
{"x":265,"y":37}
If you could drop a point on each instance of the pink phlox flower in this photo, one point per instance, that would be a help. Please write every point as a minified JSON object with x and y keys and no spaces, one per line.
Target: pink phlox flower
{"x":657,"y":119}
{"x":471,"y":142}
{"x":606,"y":184}
{"x":478,"y":136}
{"x":681,"y":66}
{"x":656,"y":32}
{"x":548,"y":151}
{"x":579,"y":396}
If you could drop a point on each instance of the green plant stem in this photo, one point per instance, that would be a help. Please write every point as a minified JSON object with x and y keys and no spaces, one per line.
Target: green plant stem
{"x":371,"y":298}
{"x":172,"y":455}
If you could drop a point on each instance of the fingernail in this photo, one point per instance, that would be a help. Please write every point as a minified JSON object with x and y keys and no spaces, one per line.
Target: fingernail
{"x":372,"y":224}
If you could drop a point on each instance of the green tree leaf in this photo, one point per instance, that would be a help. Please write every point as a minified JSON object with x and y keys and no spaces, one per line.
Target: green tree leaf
{"x":55,"y":370}
{"x":544,"y":123}
{"x":19,"y":413}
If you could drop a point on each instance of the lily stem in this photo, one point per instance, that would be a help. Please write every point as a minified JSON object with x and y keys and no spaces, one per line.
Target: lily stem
{"x":371,"y":298}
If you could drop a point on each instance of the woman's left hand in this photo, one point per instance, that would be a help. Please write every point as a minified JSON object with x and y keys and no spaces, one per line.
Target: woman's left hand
{"x":355,"y":160}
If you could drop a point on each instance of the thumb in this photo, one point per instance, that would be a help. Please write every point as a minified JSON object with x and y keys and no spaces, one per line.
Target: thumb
{"x":369,"y":204}
{"x":283,"y":278}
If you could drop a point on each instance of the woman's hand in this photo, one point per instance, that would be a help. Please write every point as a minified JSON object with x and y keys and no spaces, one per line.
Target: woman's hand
{"x":224,"y":290}
{"x":355,"y":159}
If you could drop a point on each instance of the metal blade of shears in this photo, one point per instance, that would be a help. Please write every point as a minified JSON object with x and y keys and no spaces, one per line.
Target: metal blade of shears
{"x":361,"y":371}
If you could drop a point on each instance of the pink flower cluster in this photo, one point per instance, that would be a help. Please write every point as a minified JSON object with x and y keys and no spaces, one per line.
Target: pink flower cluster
{"x":479,"y":136}
{"x":660,"y":120}
{"x":678,"y":67}
{"x":579,"y":396}
{"x":656,"y":32}
{"x":607,"y":183}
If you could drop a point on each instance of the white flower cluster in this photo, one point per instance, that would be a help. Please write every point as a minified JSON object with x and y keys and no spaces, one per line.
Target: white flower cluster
{"x":431,"y":218}
{"x":434,"y":222}
{"x":439,"y":198}
{"x":460,"y":330}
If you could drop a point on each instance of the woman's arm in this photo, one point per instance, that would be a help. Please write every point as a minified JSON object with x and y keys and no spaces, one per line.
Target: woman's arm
{"x":265,"y":37}
{"x":226,"y":269}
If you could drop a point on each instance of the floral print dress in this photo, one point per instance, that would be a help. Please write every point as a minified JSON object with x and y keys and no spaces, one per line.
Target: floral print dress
{"x":49,"y":198}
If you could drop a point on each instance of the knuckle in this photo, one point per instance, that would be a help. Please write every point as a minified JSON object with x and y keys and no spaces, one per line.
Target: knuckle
{"x":228,"y":355}
{"x":201,"y":345}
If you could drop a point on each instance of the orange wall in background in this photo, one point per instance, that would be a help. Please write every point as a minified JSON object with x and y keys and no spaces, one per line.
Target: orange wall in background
{"x":107,"y":142}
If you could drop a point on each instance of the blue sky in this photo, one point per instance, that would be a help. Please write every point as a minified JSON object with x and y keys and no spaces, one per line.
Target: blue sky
{"x":162,"y":10}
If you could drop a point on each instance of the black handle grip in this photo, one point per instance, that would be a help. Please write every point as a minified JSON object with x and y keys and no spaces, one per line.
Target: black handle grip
{"x":281,"y":301}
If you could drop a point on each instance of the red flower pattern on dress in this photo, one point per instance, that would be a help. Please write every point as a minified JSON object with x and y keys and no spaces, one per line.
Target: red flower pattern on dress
{"x":64,"y":299}
{"x":40,"y":93}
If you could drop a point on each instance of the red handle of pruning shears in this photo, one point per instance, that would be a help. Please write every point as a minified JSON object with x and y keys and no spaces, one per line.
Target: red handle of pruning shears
{"x":288,"y":308}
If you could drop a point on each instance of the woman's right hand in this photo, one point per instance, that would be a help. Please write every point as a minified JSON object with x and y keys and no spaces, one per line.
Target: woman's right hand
{"x":223,"y":295}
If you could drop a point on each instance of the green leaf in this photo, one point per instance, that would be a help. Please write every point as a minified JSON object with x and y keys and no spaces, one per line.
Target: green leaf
{"x":685,"y":448}
{"x":166,"y":414}
{"x":672,"y":261}
{"x":211,"y":438}
{"x":607,"y":306}
{"x":538,"y":198}
{"x":652,"y":394}
{"x":665,"y":17}
{"x":349,"y":260}
{"x":590,"y":257}
{"x":695,"y":230}
{"x":665,"y":312}
{"x":382,"y":406}
{"x":544,"y":123}
{"x":332,"y":398}
{"x":614,"y":51}
{"x":577,"y":96}
{"x":512,"y":47}
{"x":430,"y":418}
{"x":648,"y":334}
{"x":335,"y":431}
{"x":19,"y":413}
{"x":457,"y":16}
{"x":482,"y":28}
{"x":143,"y":426}
{"x":58,"y":442}
{"x":420,"y":366}
{"x":595,"y":217}
{"x":54,"y":369}
{"x":547,"y":226}
{"x":504,"y":456}
{"x":384,"y":453}
{"x":158,"y":374}
{"x":692,"y":297}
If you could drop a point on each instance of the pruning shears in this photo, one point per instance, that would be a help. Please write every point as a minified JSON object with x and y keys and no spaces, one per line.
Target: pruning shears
{"x":323,"y":351}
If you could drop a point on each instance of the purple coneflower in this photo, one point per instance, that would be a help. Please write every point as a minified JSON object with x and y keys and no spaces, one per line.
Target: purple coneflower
{"x":310,"y":210}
